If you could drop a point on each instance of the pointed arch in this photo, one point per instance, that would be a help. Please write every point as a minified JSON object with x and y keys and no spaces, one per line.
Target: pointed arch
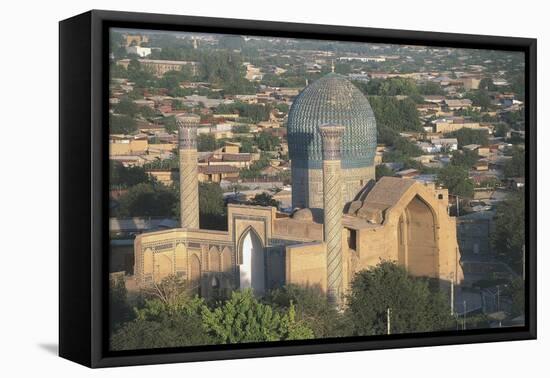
{"x":226,"y":261}
{"x":417,"y":238}
{"x":195,"y":273}
{"x":252,"y":261}
{"x":214,"y":259}
{"x":247,"y":230}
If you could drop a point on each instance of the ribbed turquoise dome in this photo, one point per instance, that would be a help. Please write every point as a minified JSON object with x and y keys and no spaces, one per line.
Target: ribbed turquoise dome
{"x":331,"y":99}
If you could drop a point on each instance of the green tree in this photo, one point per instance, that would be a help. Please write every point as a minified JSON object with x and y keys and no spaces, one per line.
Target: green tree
{"x":516,"y":290}
{"x":117,"y":71}
{"x":170,"y":124}
{"x":508,"y":238}
{"x":403,"y":151}
{"x":397,"y":86}
{"x":517,"y":84}
{"x":414,"y":306}
{"x":383,"y":170}
{"x":119,"y":309}
{"x":171,"y":291}
{"x":225,"y":70}
{"x":516,"y":119}
{"x":399,"y":115}
{"x":246,"y":146}
{"x":171,"y":80}
{"x":126,"y":176}
{"x":282,"y":107}
{"x":479,"y":98}
{"x":211,"y":205}
{"x":264,"y":199}
{"x":122,"y":124}
{"x":140,"y":76}
{"x":501,"y":129}
{"x":231,"y":42}
{"x":147,"y":111}
{"x":212,"y":210}
{"x":387,"y":136}
{"x":431,"y":89}
{"x":206,"y":142}
{"x":486,"y":84}
{"x":256,"y":167}
{"x":456,"y":179}
{"x":159,"y":325}
{"x":467,"y":136}
{"x":464,"y":158}
{"x":241,"y":129}
{"x":254,"y":112}
{"x":147,"y":200}
{"x":211,"y":198}
{"x":267,"y":142}
{"x":243,"y":319}
{"x":515,"y":167}
{"x":126,"y":107}
{"x":406,"y":147}
{"x":312,"y":308}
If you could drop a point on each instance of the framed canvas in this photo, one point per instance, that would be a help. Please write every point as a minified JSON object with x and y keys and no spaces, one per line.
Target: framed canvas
{"x":235,"y":188}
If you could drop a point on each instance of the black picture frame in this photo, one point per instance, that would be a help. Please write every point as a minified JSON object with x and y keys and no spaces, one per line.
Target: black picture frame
{"x":83,"y":198}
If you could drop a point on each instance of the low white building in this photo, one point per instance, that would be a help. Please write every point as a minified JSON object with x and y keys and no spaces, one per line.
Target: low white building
{"x":447,"y":144}
{"x":428,"y":147}
{"x":142,"y":52}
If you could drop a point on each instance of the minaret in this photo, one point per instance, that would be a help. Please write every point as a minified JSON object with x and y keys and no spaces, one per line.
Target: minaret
{"x":189,"y":180}
{"x":333,"y":208}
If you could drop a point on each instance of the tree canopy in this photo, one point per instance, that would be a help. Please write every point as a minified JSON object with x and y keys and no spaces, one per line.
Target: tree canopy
{"x":122,"y":124}
{"x":254,"y":112}
{"x":479,"y":98}
{"x":206,"y":142}
{"x":147,"y":200}
{"x":312,"y":308}
{"x":244,"y":319}
{"x":382,"y":170}
{"x":264,"y":199}
{"x":414,"y":306}
{"x":515,"y":167}
{"x":508,"y":238}
{"x":122,"y":176}
{"x":466,"y":136}
{"x":399,"y":115}
{"x":267,"y":142}
{"x":456,"y":179}
{"x":464,"y":158}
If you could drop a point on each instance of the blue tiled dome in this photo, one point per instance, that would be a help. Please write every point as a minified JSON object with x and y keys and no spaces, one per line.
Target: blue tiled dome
{"x":331,"y":99}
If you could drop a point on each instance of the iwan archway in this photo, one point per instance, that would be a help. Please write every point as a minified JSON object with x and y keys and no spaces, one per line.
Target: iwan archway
{"x":417,"y":239}
{"x":252,"y":264}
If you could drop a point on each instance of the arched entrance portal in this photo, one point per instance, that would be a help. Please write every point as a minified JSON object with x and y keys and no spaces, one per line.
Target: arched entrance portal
{"x":195,"y":274}
{"x":417,"y":239}
{"x":252,"y":267}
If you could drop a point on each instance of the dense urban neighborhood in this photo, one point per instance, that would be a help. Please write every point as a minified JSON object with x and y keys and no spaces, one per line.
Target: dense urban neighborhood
{"x":449,"y":119}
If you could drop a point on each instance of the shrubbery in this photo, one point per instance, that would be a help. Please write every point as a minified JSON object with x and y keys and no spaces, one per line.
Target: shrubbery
{"x":168,"y":314}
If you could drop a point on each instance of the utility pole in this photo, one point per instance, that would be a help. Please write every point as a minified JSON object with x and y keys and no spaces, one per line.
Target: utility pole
{"x":452,"y":294}
{"x":523,"y":262}
{"x":498,"y":297}
{"x":464,"y":318}
{"x":457,"y":206}
{"x":388,"y":320}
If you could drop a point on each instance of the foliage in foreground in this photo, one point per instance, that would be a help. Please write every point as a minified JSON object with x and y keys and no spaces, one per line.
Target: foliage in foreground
{"x":312,"y":308}
{"x":156,"y":326}
{"x":245,"y":319}
{"x":414,"y":306}
{"x":171,"y":316}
